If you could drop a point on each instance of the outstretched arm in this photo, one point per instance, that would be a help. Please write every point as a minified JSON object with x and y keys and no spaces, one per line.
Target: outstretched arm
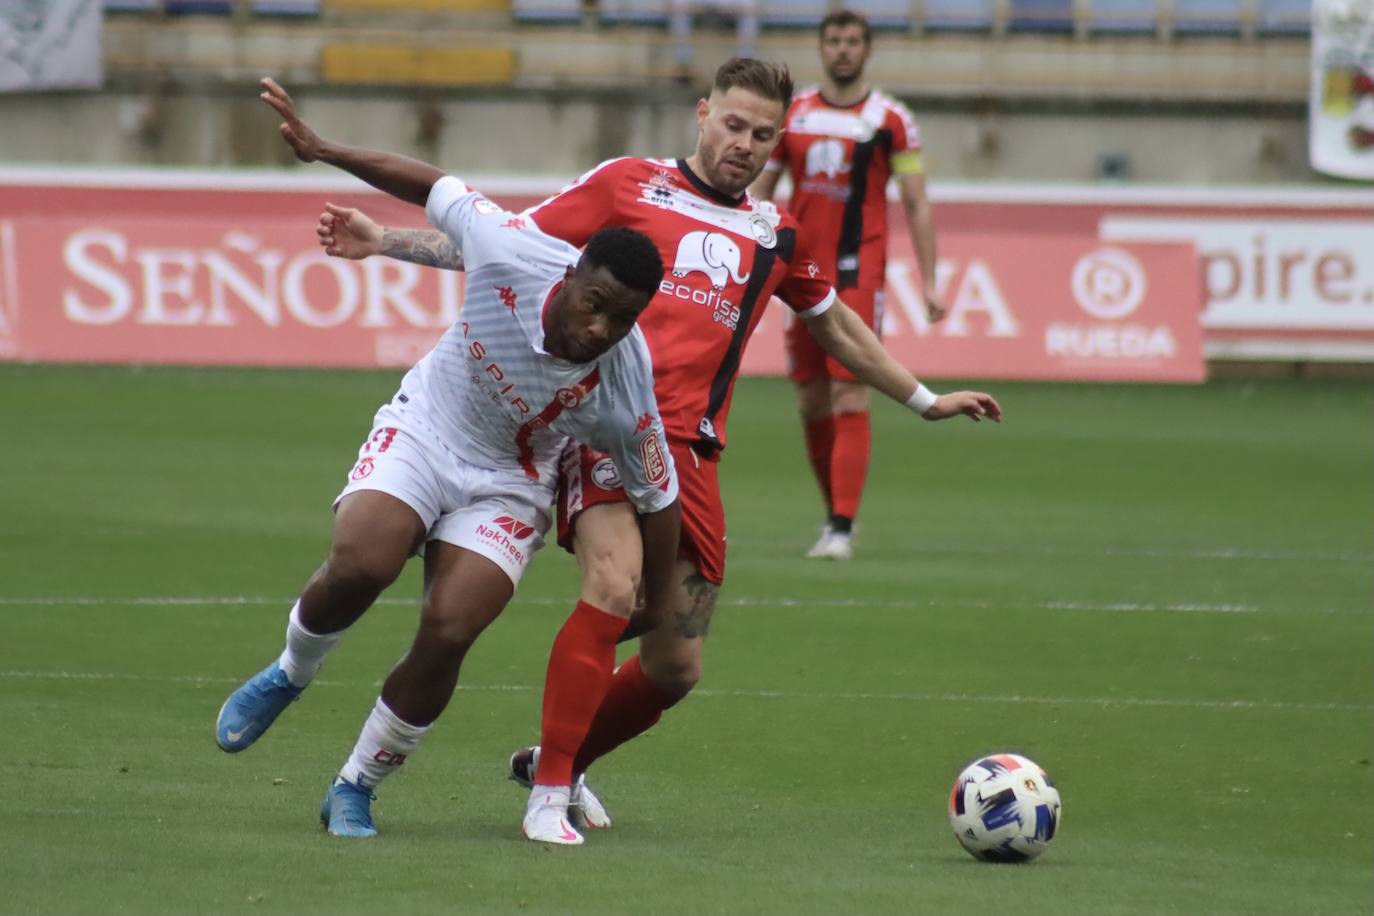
{"x":346,"y":232}
{"x":405,"y":179}
{"x":845,"y":336}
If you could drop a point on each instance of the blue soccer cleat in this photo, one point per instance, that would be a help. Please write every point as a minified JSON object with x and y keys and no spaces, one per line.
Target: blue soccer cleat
{"x":347,"y":809}
{"x":253,"y":708}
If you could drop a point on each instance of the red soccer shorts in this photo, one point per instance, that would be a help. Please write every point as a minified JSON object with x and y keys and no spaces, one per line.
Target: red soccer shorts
{"x":588,"y":478}
{"x":807,"y":361}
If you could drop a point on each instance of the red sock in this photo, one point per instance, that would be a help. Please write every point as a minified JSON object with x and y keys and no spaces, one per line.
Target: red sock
{"x":631,"y":707}
{"x":580,"y":668}
{"x":849,"y":463}
{"x":820,"y":443}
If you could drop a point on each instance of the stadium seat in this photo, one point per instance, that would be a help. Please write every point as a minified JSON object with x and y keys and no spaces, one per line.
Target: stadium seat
{"x":638,"y":12}
{"x":1285,"y":17}
{"x":286,"y":7}
{"x":409,"y":65}
{"x":1135,"y":16}
{"x":547,"y":10}
{"x":883,"y":14}
{"x":1207,"y":17}
{"x":958,"y":15}
{"x":1041,"y":16}
{"x":198,"y":7}
{"x":792,"y":14}
{"x":424,"y":6}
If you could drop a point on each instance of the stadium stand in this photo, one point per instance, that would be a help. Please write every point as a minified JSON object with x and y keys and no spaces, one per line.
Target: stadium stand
{"x":958,"y":15}
{"x":399,"y":64}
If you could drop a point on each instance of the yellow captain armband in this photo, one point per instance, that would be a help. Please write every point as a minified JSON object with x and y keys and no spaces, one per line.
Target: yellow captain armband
{"x":908,"y":162}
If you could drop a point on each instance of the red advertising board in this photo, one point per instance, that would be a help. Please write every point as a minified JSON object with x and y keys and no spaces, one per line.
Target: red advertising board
{"x":220,"y":268}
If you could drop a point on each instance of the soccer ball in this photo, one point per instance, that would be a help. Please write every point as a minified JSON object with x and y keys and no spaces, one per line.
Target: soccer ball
{"x":1004,"y":808}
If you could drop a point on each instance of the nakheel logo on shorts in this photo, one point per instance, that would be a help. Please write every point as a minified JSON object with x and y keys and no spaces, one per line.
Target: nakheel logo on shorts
{"x":501,"y":535}
{"x":513,"y":527}
{"x":1109,"y":284}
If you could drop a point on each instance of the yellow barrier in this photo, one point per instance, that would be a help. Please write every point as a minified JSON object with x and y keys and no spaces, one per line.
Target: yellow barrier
{"x":410,"y":65}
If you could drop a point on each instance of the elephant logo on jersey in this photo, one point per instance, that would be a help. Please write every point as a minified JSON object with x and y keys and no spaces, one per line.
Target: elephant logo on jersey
{"x":711,"y":253}
{"x":826,"y":157}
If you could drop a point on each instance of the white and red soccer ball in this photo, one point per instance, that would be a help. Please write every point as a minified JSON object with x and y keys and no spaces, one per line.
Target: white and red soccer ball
{"x":1004,"y":808}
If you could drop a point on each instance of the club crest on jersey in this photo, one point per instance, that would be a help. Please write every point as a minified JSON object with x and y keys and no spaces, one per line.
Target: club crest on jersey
{"x":712,"y":253}
{"x":605,"y":474}
{"x":655,"y":465}
{"x":485,"y":207}
{"x":763,"y":231}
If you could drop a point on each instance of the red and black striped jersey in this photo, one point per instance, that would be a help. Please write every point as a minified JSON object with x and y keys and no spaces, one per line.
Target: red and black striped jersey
{"x":840,"y":160}
{"x":724,"y":259}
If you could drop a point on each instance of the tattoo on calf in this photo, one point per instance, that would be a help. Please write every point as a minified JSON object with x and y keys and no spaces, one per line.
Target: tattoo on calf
{"x":421,"y":246}
{"x":693,"y":619}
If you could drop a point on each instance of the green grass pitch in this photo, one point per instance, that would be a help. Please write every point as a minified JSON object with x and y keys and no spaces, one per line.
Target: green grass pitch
{"x":1163,"y":595}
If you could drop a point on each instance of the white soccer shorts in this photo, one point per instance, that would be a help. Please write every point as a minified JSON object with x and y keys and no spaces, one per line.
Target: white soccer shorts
{"x":499,"y":514}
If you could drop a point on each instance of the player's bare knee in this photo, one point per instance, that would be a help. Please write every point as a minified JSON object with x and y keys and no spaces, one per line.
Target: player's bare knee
{"x":452,"y":634}
{"x":362,"y":566}
{"x":675,"y":673}
{"x":813,"y":400}
{"x":610,"y":582}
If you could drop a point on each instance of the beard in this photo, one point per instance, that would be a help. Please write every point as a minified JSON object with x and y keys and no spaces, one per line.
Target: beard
{"x":726,"y":183}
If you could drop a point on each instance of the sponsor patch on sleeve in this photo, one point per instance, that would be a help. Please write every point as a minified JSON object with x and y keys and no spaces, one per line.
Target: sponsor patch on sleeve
{"x":655,"y":465}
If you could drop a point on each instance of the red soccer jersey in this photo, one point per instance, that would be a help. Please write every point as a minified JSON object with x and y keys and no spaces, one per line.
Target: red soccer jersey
{"x":724,"y":259}
{"x":840,"y":160}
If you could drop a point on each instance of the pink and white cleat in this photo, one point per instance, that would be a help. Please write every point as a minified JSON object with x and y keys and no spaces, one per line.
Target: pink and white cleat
{"x":546,"y":817}
{"x":584,"y":809}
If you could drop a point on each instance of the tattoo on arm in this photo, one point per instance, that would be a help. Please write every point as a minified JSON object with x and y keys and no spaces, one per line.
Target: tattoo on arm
{"x":693,"y":619}
{"x":421,"y":246}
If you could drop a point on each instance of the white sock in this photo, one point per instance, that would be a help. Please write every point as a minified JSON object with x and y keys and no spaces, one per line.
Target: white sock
{"x":305,"y":651}
{"x":383,"y":746}
{"x":548,"y":795}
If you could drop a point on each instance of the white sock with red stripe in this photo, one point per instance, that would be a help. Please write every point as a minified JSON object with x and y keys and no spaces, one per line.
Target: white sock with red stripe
{"x":382,"y":748}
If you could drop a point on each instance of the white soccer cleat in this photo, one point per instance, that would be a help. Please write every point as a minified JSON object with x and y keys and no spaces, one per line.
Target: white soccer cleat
{"x":832,"y":545}
{"x":584,"y":808}
{"x":546,"y":818}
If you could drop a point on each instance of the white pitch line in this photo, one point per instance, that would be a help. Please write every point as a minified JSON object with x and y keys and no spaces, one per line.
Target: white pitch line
{"x":1003,"y":699}
{"x":738,"y":601}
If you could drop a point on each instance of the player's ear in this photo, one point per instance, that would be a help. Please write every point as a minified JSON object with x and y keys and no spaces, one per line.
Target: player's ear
{"x":572,"y":269}
{"x":703,"y":109}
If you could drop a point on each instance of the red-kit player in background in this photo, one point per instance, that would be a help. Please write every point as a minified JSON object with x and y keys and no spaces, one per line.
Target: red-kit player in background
{"x":842,"y":142}
{"x":726,"y":254}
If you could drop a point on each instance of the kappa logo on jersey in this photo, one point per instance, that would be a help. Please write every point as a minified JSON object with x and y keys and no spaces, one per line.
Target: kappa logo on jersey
{"x":514,"y":222}
{"x":507,"y":295}
{"x":570,"y":398}
{"x":712,"y":253}
{"x":513,"y":527}
{"x":644,"y":423}
{"x":826,"y":157}
{"x":655,"y":465}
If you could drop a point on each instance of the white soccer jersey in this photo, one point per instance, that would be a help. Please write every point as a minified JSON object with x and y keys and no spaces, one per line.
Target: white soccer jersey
{"x":491,"y":392}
